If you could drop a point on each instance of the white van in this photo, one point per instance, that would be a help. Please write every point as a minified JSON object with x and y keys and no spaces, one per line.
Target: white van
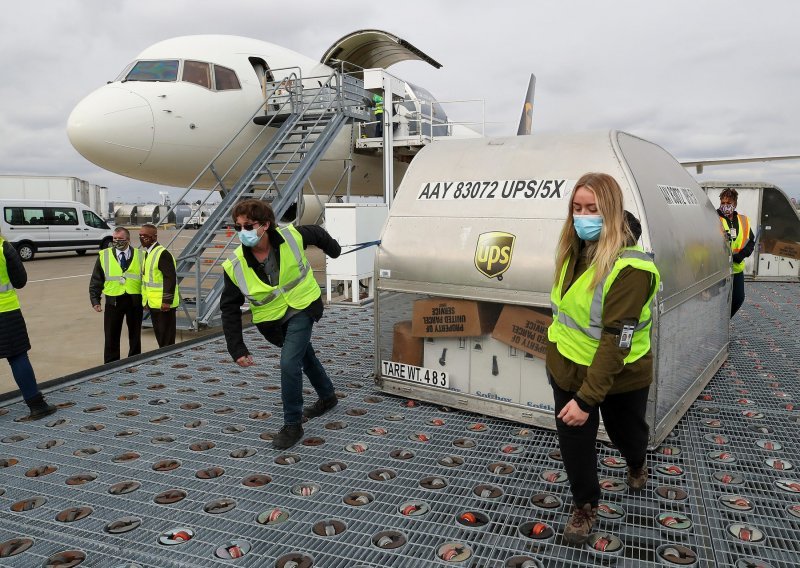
{"x":33,"y":226}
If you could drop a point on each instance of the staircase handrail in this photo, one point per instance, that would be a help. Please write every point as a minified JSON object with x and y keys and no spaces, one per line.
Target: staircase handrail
{"x":209,"y":167}
{"x":309,"y":114}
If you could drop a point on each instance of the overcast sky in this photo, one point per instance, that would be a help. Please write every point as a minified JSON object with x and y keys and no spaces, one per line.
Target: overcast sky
{"x":703,"y":79}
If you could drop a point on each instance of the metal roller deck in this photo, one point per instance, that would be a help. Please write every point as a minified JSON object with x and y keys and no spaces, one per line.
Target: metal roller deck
{"x":168,"y":463}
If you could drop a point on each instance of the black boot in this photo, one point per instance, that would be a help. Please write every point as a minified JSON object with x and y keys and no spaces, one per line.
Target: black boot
{"x":320,"y":407}
{"x":39,"y":408}
{"x":288,"y":436}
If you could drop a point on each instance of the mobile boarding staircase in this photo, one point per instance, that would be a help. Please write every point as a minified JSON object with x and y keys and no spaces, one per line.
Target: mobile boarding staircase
{"x":296,"y":124}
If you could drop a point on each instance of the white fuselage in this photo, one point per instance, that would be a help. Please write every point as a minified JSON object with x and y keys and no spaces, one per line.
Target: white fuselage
{"x":166,"y":131}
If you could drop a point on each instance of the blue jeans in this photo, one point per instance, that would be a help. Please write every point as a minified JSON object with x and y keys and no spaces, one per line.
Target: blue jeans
{"x":23,"y":374}
{"x":297,"y":357}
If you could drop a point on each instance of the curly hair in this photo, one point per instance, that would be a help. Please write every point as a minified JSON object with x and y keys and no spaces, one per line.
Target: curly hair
{"x":729,"y":193}
{"x":256,"y":210}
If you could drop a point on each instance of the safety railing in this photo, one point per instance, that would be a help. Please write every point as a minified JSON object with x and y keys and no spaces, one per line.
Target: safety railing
{"x":417,"y":127}
{"x":314,"y":100}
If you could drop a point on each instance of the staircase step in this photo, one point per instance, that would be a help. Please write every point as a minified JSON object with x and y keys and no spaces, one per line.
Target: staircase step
{"x":276,"y":171}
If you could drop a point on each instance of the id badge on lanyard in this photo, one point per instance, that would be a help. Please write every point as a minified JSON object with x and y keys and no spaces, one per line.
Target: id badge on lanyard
{"x":626,"y":336}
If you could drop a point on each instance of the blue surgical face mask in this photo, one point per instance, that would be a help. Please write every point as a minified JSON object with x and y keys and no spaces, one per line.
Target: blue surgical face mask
{"x":588,"y":227}
{"x":249,"y":238}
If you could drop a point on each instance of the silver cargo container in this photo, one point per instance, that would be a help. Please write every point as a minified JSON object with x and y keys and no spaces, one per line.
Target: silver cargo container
{"x":478,"y":220}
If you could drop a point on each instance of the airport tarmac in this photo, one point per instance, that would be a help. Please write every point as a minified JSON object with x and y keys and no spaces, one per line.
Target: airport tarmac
{"x":66,"y":333}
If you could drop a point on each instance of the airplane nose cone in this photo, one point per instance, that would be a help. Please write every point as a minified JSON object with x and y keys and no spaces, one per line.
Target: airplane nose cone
{"x":113,"y":128}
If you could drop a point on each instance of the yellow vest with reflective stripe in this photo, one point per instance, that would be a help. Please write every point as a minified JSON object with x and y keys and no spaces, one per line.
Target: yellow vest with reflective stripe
{"x":738,"y":243}
{"x":153,"y":281}
{"x":378,"y":100}
{"x":8,"y":295}
{"x":577,"y":314}
{"x":118,"y":283}
{"x":296,"y":287}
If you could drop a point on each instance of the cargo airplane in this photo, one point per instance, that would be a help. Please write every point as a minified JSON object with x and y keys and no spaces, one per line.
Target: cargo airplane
{"x":172,"y":108}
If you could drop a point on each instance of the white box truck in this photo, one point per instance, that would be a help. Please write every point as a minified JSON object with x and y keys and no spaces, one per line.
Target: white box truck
{"x":56,"y":188}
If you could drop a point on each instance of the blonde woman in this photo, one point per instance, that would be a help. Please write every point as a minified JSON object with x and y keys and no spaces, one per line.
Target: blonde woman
{"x":598,"y":357}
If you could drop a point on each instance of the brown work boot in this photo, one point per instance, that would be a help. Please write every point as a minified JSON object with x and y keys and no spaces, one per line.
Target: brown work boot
{"x":637,"y":477}
{"x":580,"y":524}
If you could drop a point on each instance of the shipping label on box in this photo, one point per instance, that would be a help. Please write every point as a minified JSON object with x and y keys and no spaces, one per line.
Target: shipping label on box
{"x":447,"y":317}
{"x":787,"y":249}
{"x":523,"y":328}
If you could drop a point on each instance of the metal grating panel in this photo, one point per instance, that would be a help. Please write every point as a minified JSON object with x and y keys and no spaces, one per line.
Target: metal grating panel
{"x":197,"y":408}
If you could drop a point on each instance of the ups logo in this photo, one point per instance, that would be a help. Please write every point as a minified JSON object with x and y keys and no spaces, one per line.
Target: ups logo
{"x":493,"y":253}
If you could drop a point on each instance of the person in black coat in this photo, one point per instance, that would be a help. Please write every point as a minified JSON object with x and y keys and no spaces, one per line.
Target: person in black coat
{"x":14,"y":342}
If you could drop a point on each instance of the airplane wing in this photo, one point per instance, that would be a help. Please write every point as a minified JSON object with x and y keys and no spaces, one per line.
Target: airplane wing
{"x":699,"y":164}
{"x":368,"y":49}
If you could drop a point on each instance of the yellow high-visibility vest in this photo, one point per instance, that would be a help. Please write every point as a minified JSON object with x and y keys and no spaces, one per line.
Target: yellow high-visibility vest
{"x":117,"y":282}
{"x":578,"y":313}
{"x":296,"y":287}
{"x":8,"y":295}
{"x":153,"y":281}
{"x":378,"y":100}
{"x":738,"y":243}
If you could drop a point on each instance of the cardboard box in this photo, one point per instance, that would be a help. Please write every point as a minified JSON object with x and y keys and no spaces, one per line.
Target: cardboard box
{"x":523,"y":328}
{"x":405,"y":348}
{"x":788,"y":249}
{"x":448,"y":317}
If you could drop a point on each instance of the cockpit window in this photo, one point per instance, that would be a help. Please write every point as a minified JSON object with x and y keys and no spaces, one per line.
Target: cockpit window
{"x":198,"y":73}
{"x":166,"y":70}
{"x":225,"y":79}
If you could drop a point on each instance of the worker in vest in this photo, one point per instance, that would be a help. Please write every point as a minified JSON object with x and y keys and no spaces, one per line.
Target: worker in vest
{"x":740,"y":235}
{"x":118,"y":274}
{"x":598,"y":355}
{"x":377,"y":103}
{"x":160,"y":294}
{"x":14,"y":342}
{"x":271,"y":272}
